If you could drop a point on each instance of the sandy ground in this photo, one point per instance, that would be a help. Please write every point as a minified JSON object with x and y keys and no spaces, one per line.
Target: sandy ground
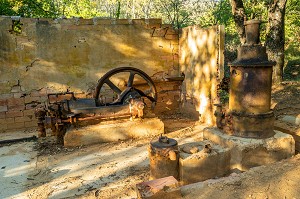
{"x":41,"y":169}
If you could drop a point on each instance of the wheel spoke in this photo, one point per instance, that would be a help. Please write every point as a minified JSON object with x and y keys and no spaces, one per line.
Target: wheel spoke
{"x":130,"y":80}
{"x":113,"y":87}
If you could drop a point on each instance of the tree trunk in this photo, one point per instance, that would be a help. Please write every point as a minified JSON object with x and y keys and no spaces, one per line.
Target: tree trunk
{"x":239,"y":16}
{"x":275,"y":37}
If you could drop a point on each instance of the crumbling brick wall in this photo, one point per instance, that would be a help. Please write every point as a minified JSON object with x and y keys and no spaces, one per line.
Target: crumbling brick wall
{"x":52,"y":55}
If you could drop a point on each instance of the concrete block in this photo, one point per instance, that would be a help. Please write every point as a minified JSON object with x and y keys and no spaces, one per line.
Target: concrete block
{"x":108,"y":132}
{"x":248,"y":152}
{"x":166,"y":188}
{"x":198,"y":163}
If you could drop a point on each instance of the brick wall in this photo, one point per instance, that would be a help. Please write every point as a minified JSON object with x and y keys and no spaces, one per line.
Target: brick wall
{"x":53,"y":55}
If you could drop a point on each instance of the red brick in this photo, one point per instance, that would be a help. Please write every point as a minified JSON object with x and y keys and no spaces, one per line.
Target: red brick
{"x":15,"y":102}
{"x":16,"y":108}
{"x":10,"y":114}
{"x":3,"y":102}
{"x":16,"y":125}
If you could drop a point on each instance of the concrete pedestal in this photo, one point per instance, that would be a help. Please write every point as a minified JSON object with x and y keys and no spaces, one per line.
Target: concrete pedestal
{"x":247,"y":152}
{"x":204,"y":164}
{"x":113,"y":132}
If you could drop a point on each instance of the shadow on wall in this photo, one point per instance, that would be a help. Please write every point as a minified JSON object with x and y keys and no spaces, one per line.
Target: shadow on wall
{"x":200,"y":51}
{"x":73,"y":53}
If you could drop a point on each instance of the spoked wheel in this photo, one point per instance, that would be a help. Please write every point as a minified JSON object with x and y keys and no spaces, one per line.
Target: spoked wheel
{"x":128,"y":89}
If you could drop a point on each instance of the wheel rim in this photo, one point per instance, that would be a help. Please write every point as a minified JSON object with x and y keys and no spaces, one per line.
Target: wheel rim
{"x":122,"y":94}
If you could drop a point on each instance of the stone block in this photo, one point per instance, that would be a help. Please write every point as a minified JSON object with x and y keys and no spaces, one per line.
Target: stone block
{"x":248,"y":152}
{"x":16,"y":89}
{"x":18,"y":95}
{"x":10,"y":120}
{"x":2,"y":121}
{"x":11,"y":114}
{"x":16,"y":108}
{"x":15,"y":102}
{"x":108,"y":132}
{"x":3,"y":102}
{"x":23,"y":119}
{"x":16,"y":125}
{"x":29,"y":112}
{"x":3,"y":108}
{"x":29,"y":99}
{"x":200,"y":161}
{"x":31,"y":124}
{"x":2,"y":115}
{"x":3,"y":127}
{"x":166,"y":188}
{"x":6,"y":96}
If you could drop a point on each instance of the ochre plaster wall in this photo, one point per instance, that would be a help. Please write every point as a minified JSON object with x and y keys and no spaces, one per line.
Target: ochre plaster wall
{"x":201,"y":60}
{"x":55,"y":55}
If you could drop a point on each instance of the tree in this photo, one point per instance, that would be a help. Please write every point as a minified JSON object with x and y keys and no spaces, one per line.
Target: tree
{"x":275,"y":38}
{"x":275,"y":30}
{"x":6,"y":8}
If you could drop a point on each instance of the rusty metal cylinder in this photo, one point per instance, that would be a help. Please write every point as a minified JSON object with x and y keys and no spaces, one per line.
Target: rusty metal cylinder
{"x":164,"y":158}
{"x":250,"y":88}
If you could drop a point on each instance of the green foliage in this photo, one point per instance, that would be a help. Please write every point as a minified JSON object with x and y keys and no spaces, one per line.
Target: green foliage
{"x":6,"y":8}
{"x":292,"y":41}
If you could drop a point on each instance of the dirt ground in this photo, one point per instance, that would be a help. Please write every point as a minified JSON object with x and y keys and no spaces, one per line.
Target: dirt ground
{"x":40,"y":169}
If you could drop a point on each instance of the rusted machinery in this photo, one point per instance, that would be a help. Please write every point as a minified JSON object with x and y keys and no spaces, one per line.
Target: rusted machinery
{"x":64,"y":109}
{"x":249,"y":113}
{"x":164,"y":158}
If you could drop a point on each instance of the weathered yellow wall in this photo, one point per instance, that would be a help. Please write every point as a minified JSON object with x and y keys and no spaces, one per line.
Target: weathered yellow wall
{"x":75,"y":53}
{"x":201,"y":60}
{"x":55,"y":55}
